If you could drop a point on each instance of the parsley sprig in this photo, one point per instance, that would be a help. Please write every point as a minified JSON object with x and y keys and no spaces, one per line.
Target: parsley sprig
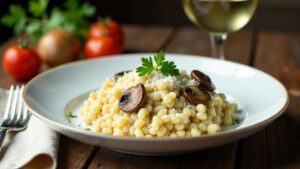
{"x":167,"y":68}
{"x":35,"y":21}
{"x":70,"y":115}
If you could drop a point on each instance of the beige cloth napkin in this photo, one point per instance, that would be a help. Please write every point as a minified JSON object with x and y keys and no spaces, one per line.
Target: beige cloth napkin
{"x":34,"y":148}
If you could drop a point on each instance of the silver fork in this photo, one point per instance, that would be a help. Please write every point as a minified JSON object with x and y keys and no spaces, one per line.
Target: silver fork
{"x":16,"y":114}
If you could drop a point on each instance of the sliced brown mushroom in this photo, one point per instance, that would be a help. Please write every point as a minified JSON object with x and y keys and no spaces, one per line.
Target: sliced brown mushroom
{"x":120,"y":74}
{"x":203,"y":80}
{"x":133,"y":98}
{"x":196,"y":95}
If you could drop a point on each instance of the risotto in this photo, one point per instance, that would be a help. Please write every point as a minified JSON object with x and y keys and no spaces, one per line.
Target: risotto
{"x":155,"y":105}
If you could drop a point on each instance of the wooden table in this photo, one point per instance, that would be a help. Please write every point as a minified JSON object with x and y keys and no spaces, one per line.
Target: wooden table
{"x":277,"y":146}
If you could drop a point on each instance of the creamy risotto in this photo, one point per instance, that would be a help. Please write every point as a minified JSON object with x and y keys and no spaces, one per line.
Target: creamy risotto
{"x":156,"y":105}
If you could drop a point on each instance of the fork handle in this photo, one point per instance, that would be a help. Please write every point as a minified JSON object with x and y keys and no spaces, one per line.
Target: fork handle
{"x":3,"y":132}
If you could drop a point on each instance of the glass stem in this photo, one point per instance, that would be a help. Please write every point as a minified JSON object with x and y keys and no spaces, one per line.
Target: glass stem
{"x":218,"y":44}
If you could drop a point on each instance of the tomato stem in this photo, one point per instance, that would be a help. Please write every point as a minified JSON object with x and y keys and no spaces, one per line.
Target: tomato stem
{"x":23,"y":43}
{"x":104,"y":20}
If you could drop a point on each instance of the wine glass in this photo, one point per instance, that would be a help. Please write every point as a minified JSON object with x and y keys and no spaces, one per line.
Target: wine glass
{"x":219,"y":17}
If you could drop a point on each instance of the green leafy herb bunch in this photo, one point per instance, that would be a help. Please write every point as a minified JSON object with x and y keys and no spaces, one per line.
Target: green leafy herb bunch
{"x":35,"y":21}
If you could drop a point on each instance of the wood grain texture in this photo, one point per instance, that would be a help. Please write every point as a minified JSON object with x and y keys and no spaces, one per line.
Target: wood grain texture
{"x":107,"y":159}
{"x":190,"y":40}
{"x":74,"y":154}
{"x":195,"y":41}
{"x":206,"y":159}
{"x":145,"y":38}
{"x":222,"y":157}
{"x":277,"y":146}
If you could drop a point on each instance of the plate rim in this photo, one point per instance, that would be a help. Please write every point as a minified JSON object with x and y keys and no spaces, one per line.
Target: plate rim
{"x":236,"y":131}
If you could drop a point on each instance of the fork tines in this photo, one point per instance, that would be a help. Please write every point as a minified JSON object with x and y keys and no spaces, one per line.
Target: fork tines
{"x":15,"y":112}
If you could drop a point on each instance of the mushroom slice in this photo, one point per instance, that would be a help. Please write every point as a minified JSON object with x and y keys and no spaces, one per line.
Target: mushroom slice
{"x":203,"y":80}
{"x":133,"y":98}
{"x":196,"y":95}
{"x":120,"y":74}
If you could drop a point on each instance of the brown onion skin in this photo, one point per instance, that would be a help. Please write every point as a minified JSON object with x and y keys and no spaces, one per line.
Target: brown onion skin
{"x":58,"y":47}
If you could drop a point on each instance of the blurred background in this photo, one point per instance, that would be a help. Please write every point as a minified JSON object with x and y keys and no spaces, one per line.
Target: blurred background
{"x":270,"y":15}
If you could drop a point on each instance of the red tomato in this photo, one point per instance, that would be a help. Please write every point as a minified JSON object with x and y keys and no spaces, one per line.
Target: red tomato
{"x":21,"y":63}
{"x":107,"y":27}
{"x":101,"y":46}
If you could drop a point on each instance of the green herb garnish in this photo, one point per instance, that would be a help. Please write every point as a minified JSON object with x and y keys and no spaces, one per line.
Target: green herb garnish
{"x":87,"y":129}
{"x":236,"y":121}
{"x":167,"y":68}
{"x":70,"y":115}
{"x":35,"y":21}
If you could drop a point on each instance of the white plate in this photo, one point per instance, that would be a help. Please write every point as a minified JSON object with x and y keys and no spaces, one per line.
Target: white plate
{"x":53,"y":93}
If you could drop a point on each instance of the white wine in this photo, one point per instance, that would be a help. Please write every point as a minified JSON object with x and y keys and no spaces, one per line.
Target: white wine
{"x":220,"y":16}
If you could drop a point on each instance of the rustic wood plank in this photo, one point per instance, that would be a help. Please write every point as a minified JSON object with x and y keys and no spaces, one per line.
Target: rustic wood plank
{"x":114,"y":160}
{"x":277,"y":146}
{"x":74,"y":154}
{"x":107,"y":159}
{"x":214,"y":158}
{"x":239,"y":46}
{"x":190,"y":40}
{"x":196,"y":41}
{"x":145,"y":38}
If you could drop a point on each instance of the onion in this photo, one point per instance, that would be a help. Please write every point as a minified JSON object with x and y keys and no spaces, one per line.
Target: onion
{"x":58,"y":47}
